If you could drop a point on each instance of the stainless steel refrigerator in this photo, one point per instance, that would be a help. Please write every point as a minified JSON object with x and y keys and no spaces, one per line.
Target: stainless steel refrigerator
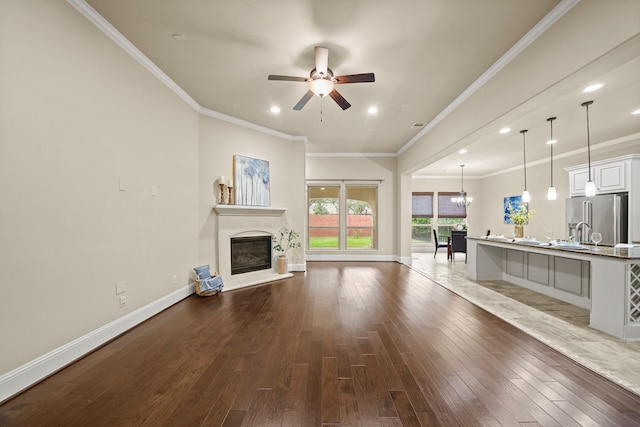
{"x":606,"y":213}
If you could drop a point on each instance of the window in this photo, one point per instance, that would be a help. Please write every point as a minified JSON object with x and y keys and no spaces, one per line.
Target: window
{"x":361,"y":221}
{"x":342,"y":217}
{"x":421,"y":217}
{"x":324,"y":220}
{"x":449,"y":214}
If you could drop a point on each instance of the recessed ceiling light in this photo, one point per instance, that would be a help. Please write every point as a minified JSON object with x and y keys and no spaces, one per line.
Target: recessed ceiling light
{"x":372,"y":110}
{"x":636,"y":112}
{"x":592,"y":88}
{"x":552,"y":141}
{"x":179,"y":37}
{"x":505,"y":130}
{"x":462,"y":151}
{"x":275,"y":109}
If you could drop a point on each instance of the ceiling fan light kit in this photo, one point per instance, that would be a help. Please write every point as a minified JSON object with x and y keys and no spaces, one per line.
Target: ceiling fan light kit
{"x":321,"y":87}
{"x":322,"y":80}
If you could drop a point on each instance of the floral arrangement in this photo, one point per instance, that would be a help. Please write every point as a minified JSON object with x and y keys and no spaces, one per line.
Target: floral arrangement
{"x":287,"y":240}
{"x":519,"y":214}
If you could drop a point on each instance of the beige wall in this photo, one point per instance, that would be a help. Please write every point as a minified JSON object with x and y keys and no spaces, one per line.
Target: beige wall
{"x":219,"y":141}
{"x":486,"y":211}
{"x":77,"y":116}
{"x":549,"y":217}
{"x":472,"y":186}
{"x":365,"y":168}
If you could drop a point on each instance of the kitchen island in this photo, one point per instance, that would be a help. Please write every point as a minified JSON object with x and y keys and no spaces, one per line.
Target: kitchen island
{"x":606,"y":281}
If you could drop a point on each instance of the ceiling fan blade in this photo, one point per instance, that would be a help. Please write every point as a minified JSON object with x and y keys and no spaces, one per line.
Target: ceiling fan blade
{"x":356,"y":78}
{"x":322,"y":60}
{"x":287,"y":78}
{"x":343,"y":103}
{"x":307,"y":96}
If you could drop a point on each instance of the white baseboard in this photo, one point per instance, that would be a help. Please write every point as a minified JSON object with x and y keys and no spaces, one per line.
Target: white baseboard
{"x":298,"y":267}
{"x":351,"y":257}
{"x":405,"y":260}
{"x":36,"y":370}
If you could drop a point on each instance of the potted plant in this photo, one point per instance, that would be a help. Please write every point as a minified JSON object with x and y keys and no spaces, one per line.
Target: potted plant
{"x":519,"y":215}
{"x":287,"y":239}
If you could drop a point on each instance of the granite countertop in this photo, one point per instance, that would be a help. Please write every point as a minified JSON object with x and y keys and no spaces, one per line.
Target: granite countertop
{"x":588,"y":249}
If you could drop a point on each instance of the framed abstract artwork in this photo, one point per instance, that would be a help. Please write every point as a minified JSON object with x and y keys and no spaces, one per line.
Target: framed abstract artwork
{"x":514,"y":201}
{"x":252,"y":181}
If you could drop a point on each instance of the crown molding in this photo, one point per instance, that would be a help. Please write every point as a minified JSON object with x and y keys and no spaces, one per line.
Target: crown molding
{"x":249,"y":125}
{"x":558,"y":12}
{"x":572,"y":153}
{"x":351,"y":155}
{"x":99,"y":21}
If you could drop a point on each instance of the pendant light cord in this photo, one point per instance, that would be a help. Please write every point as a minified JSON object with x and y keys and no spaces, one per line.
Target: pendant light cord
{"x":586,"y":105}
{"x":524,"y":154}
{"x":551,"y":142}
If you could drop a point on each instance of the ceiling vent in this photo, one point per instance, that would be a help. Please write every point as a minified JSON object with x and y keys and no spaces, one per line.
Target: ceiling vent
{"x":418,"y":125}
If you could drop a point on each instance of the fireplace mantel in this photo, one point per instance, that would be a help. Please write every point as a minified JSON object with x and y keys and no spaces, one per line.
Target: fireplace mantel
{"x":245,"y":221}
{"x":248,"y":210}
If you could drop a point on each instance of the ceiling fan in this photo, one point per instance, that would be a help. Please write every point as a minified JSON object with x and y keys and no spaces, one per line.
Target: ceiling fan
{"x":321,"y":80}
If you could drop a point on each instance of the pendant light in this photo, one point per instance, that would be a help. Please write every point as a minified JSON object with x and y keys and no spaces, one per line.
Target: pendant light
{"x":551,"y":193}
{"x":525,"y":194}
{"x":590,"y":187}
{"x":462,"y":199}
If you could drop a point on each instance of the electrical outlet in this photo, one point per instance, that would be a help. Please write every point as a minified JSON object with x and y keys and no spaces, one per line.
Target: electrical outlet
{"x":154,"y":190}
{"x":123,"y":301}
{"x":174,"y":280}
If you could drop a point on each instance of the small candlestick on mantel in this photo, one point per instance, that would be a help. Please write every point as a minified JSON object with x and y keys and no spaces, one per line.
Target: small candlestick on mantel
{"x":230,"y":189}
{"x":221,"y":182}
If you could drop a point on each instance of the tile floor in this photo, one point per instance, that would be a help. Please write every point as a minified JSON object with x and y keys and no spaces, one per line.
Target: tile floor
{"x":561,"y":326}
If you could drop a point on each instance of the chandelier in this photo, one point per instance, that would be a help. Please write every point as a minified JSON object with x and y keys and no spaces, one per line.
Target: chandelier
{"x":462,"y":199}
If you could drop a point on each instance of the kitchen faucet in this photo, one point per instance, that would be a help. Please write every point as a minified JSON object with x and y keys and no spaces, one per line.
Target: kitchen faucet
{"x":580,"y":235}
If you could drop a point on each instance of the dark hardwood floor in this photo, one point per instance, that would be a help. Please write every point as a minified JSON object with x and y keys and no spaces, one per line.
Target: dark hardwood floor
{"x":349,"y":344}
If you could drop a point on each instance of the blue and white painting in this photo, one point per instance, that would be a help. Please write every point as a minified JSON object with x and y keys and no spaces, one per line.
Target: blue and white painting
{"x":252,"y":181}
{"x":515,"y":201}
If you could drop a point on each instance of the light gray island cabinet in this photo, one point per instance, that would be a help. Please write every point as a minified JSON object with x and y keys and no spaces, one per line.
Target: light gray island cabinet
{"x":606,"y":281}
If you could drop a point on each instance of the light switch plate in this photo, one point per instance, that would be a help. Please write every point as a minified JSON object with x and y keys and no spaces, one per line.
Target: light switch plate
{"x":121,"y":288}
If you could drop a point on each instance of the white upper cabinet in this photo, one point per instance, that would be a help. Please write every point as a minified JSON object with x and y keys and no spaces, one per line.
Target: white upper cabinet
{"x":612,"y":178}
{"x":609,"y":176}
{"x":618,"y":175}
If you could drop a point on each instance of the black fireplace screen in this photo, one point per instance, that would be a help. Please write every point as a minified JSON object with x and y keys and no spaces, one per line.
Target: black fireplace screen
{"x":250,"y":254}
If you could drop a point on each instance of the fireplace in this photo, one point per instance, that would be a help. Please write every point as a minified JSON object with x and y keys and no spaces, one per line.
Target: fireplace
{"x":250,"y":254}
{"x":240,"y":224}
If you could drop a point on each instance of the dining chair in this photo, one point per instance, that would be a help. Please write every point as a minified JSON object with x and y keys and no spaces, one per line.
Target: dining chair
{"x":438,"y":244}
{"x":458,"y":243}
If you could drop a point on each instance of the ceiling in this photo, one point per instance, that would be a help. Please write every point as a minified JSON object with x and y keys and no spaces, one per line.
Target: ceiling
{"x":428,"y":57}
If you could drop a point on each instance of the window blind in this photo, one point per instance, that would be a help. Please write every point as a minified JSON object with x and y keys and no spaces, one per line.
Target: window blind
{"x":422,"y":205}
{"x":449,"y":209}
